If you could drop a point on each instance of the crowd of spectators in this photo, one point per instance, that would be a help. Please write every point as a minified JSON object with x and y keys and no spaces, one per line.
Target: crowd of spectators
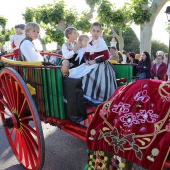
{"x":144,"y":66}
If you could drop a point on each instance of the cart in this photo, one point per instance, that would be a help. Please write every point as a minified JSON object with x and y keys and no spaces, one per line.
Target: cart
{"x":31,"y":93}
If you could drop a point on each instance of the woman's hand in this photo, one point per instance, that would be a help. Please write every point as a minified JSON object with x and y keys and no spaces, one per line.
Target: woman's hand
{"x":87,"y":62}
{"x":91,"y":62}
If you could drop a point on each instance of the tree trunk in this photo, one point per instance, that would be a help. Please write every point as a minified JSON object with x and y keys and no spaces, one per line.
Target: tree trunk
{"x":146,"y":28}
{"x":44,"y":47}
{"x":119,"y":38}
{"x":145,"y":37}
{"x":121,"y":43}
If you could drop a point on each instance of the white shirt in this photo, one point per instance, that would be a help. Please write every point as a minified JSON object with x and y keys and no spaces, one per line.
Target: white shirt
{"x":28,"y":50}
{"x":17,"y":40}
{"x":67,"y":54}
{"x":124,"y":59}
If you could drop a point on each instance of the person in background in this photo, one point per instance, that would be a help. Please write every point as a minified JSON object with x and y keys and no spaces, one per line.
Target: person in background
{"x":133,"y":62}
{"x":27,"y":51}
{"x":165,"y":58}
{"x":152,"y":59}
{"x":58,"y":51}
{"x":51,"y":58}
{"x":144,"y":66}
{"x":159,"y":69}
{"x":157,"y":53}
{"x":124,"y":57}
{"x":17,"y":38}
{"x":3,"y":52}
{"x":114,"y":54}
{"x":138,"y":57}
{"x":69,"y":50}
{"x":120,"y":57}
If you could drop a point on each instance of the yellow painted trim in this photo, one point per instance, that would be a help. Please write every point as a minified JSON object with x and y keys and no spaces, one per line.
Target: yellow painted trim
{"x":113,"y":61}
{"x":23,"y":63}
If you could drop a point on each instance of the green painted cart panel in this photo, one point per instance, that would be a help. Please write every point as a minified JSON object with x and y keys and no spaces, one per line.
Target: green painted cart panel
{"x":124,"y":71}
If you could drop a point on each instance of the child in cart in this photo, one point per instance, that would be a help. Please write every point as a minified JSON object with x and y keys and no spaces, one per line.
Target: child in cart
{"x":98,"y":75}
{"x":27,"y":50}
{"x":17,"y":38}
{"x":70,"y":50}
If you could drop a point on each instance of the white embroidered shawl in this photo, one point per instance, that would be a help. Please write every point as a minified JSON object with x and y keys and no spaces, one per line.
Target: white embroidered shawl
{"x":97,"y":46}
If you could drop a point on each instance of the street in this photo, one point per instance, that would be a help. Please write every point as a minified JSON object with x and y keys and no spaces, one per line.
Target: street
{"x":62,"y":151}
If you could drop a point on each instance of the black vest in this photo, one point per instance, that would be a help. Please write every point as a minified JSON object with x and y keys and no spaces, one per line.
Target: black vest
{"x":21,"y":57}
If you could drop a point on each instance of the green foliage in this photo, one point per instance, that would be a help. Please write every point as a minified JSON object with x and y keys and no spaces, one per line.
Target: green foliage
{"x":109,"y":15}
{"x":56,"y":12}
{"x":37,"y":14}
{"x":56,"y":35}
{"x":4,"y":35}
{"x":105,"y":12}
{"x":54,"y":18}
{"x":92,"y":3}
{"x":139,"y":11}
{"x":158,"y":46}
{"x":131,"y":40}
{"x":44,"y":14}
{"x":70,"y":16}
{"x":83,"y":23}
{"x":168,"y":27}
{"x":3,"y":21}
{"x":46,"y":40}
{"x":29,"y":15}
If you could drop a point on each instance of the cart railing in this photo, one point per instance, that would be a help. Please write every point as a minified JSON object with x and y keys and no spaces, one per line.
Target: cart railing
{"x":45,"y":83}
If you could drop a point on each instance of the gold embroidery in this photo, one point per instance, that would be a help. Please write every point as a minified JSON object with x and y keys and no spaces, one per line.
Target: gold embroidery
{"x":142,"y":142}
{"x":161,"y":90}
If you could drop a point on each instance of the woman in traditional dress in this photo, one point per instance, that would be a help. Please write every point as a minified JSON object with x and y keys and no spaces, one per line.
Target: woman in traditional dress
{"x":98,"y":75}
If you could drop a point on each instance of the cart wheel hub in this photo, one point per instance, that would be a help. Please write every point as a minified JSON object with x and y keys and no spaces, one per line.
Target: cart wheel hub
{"x":12,"y":121}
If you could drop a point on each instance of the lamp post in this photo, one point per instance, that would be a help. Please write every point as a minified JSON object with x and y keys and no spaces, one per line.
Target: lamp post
{"x":168,"y":17}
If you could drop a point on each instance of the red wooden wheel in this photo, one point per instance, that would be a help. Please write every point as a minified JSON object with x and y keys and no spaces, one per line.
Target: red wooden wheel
{"x":21,"y":121}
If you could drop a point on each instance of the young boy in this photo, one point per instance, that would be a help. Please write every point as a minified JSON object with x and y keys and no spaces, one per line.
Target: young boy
{"x":17,"y":38}
{"x":82,"y":40}
{"x":69,"y":50}
{"x":27,"y":50}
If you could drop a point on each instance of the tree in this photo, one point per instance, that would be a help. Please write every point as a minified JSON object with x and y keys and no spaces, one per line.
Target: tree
{"x":158,"y":46}
{"x":144,"y":13}
{"x":141,"y":12}
{"x":54,"y":18}
{"x":131,"y":40}
{"x":112,"y":18}
{"x":4,"y":33}
{"x":3,"y":22}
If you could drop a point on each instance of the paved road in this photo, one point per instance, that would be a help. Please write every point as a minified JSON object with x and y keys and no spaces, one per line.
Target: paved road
{"x":63,"y":151}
